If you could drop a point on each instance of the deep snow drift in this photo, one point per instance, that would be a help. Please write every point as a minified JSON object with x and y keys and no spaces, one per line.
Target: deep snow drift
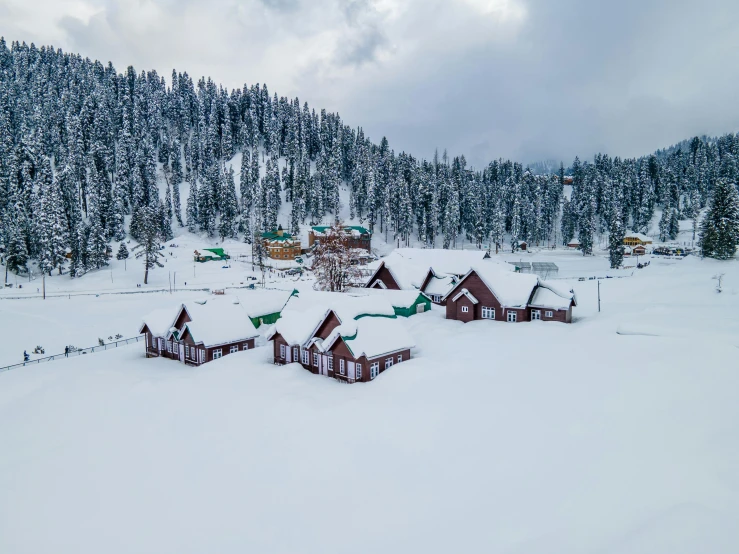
{"x":526,"y":438}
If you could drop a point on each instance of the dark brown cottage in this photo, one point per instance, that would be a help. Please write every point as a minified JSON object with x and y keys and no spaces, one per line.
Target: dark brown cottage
{"x":350,"y":351}
{"x":200,"y":332}
{"x":384,"y":278}
{"x":489,"y":293}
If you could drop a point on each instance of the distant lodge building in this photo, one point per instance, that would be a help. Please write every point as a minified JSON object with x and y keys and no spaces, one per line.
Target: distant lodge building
{"x":205,"y":330}
{"x":635,"y":250}
{"x":574,"y":243}
{"x":210,"y":254}
{"x":357,"y":237}
{"x":637,"y":239}
{"x":281,"y":245}
{"x":354,"y":339}
{"x":488,"y":293}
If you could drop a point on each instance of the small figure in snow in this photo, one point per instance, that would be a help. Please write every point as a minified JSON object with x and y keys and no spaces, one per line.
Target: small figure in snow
{"x":26,"y":357}
{"x":66,"y":351}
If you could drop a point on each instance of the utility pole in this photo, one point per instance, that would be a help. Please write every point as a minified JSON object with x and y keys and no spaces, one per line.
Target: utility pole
{"x":599,"y":295}
{"x":43,"y":284}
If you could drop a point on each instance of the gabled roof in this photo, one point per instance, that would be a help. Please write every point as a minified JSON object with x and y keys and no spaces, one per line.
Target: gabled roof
{"x":642,"y":237}
{"x":371,"y":337}
{"x":513,"y":290}
{"x":452,"y":262}
{"x":305,"y":315}
{"x":468,"y":294}
{"x":259,"y":303}
{"x":158,"y":322}
{"x":547,"y":296}
{"x":219,"y":321}
{"x":272,"y":235}
{"x":439,"y":284}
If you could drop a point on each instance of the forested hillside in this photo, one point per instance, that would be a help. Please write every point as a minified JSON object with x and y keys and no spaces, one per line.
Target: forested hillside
{"x":83,"y":146}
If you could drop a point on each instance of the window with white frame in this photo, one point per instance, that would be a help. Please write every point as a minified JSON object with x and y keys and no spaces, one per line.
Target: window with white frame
{"x":488,"y":313}
{"x":315,"y":359}
{"x":169,"y":347}
{"x":233,"y":349}
{"x":388,"y":363}
{"x":374,"y":369}
{"x":359,"y":371}
{"x":548,"y":314}
{"x":535,"y":315}
{"x":283,"y":351}
{"x":306,"y":357}
{"x":202,"y":355}
{"x":217,"y":353}
{"x":296,"y":353}
{"x":331,"y":363}
{"x":187,"y":351}
{"x":400,"y":358}
{"x":465,"y":309}
{"x":246,"y":346}
{"x":342,"y":366}
{"x":512,"y":316}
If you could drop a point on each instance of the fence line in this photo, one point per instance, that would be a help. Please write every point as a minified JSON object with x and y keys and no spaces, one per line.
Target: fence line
{"x":79,"y":352}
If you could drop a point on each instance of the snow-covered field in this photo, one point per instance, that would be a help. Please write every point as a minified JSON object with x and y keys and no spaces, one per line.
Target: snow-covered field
{"x":616,"y":434}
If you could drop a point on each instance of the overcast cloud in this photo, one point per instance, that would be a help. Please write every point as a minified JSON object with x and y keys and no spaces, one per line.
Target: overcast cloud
{"x":527,"y":79}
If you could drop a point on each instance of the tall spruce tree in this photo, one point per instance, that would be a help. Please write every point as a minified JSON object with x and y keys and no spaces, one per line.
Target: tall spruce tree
{"x":719,"y":234}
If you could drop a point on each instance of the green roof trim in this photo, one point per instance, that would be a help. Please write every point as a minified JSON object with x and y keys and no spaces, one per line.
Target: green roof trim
{"x":272,"y":235}
{"x":358,"y":228}
{"x":216,"y":251}
{"x":360,"y":316}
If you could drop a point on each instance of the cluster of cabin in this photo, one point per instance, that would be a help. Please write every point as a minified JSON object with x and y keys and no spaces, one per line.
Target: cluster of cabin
{"x":353,"y":337}
{"x":201,"y":331}
{"x":472,"y":287}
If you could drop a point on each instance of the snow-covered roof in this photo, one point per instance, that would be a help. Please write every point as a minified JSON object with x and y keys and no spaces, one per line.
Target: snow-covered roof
{"x":547,"y":296}
{"x":512,"y":290}
{"x":305,"y":314}
{"x":409,"y":266}
{"x":297,"y":327}
{"x":454,"y":262}
{"x":396,"y":298}
{"x":346,"y":306}
{"x":640,"y":236}
{"x":259,"y":303}
{"x":219,"y":321}
{"x":440,"y":284}
{"x":371,"y":337}
{"x":574,"y":241}
{"x":159,"y":321}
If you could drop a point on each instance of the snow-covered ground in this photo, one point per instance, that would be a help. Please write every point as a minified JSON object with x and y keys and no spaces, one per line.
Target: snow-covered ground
{"x":616,"y":434}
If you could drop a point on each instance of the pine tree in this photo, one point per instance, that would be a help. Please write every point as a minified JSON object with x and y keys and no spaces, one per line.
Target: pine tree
{"x":719,"y":234}
{"x":229,"y":206}
{"x":673,"y":229}
{"x":167,"y":215}
{"x":51,"y":231}
{"x":122,"y":252}
{"x":616,"y":239}
{"x":192,"y":207}
{"x":149,"y":247}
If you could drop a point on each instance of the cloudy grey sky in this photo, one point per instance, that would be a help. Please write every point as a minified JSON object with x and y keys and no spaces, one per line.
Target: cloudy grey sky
{"x":526,"y":79}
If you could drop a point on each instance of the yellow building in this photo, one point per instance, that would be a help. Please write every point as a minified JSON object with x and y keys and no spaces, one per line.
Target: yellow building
{"x":637,"y":239}
{"x":281,"y":245}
